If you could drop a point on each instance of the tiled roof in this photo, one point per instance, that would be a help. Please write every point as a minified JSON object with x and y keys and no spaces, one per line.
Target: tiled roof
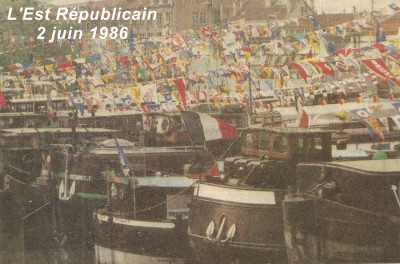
{"x":325,"y":20}
{"x":391,"y":24}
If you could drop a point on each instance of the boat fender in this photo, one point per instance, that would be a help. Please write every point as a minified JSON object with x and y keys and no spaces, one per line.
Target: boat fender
{"x":230,"y":234}
{"x":114,"y":191}
{"x":164,"y":127}
{"x":121,"y":194}
{"x":62,"y":192}
{"x":210,"y":229}
{"x":72,"y":190}
{"x":221,"y":227}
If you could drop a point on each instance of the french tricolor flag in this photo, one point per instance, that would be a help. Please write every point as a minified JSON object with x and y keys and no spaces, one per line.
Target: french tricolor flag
{"x":202,"y":127}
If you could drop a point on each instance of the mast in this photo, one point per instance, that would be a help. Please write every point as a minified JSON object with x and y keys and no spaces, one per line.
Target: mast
{"x":250,"y":107}
{"x":134,"y":196}
{"x":372,"y":12}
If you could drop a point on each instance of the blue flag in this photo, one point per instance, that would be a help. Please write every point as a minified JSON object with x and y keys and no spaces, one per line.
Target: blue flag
{"x":316,"y":23}
{"x":79,"y":104}
{"x":397,"y":106}
{"x":123,"y":159}
{"x":127,"y":101}
{"x":361,"y":113}
{"x":380,"y":34}
{"x":131,"y":41}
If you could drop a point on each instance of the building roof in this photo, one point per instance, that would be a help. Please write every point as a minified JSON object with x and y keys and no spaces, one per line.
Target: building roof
{"x":256,"y":10}
{"x":292,"y":130}
{"x":118,"y":3}
{"x":130,"y":4}
{"x":325,"y":20}
{"x":392,"y":23}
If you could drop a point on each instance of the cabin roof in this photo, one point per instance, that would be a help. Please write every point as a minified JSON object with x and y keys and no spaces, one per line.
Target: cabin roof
{"x":161,"y":181}
{"x":20,"y":114}
{"x":28,"y":130}
{"x":371,"y":166}
{"x":294,"y":130}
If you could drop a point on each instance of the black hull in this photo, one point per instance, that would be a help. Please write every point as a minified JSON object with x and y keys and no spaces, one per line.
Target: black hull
{"x":208,"y":252}
{"x":322,"y":231}
{"x":25,"y":213}
{"x":258,"y":235}
{"x":140,"y":240}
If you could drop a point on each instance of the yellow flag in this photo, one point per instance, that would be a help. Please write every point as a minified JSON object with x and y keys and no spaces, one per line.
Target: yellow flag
{"x":375,"y":127}
{"x":239,"y":89}
{"x":49,"y":68}
{"x":181,"y":64}
{"x":203,"y":46}
{"x":136,"y":94}
{"x":69,"y":57}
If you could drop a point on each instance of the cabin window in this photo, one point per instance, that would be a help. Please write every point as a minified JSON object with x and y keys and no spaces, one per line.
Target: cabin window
{"x":300,"y":143}
{"x":263,"y":142}
{"x":281,"y":144}
{"x":249,"y":140}
{"x":257,"y":141}
{"x":318,"y":143}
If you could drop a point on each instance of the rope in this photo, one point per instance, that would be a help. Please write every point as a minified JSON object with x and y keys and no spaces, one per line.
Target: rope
{"x":157,"y":205}
{"x":14,"y":179}
{"x":348,"y":222}
{"x":22,"y":171}
{"x":37,"y":210}
{"x":262,"y":155}
{"x":227,"y":149}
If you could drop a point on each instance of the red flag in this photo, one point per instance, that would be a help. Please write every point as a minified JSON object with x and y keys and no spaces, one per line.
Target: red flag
{"x":51,"y":115}
{"x":303,"y":120}
{"x":64,"y":65}
{"x":125,"y":60}
{"x":309,"y":55}
{"x":205,"y":31}
{"x":32,"y":41}
{"x":323,"y":66}
{"x":345,"y":51}
{"x":300,"y":69}
{"x":11,"y":67}
{"x":180,"y":84}
{"x":213,"y":171}
{"x":380,"y":68}
{"x":3,"y":101}
{"x":246,"y":49}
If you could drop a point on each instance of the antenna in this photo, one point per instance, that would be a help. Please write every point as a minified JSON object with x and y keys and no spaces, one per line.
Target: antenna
{"x":372,"y":7}
{"x":310,"y":6}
